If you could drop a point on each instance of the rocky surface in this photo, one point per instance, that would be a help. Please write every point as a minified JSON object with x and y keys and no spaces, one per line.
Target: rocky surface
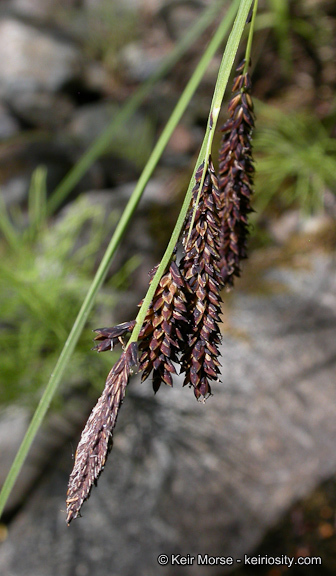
{"x":33,"y":61}
{"x":8,"y":124}
{"x":64,"y":77}
{"x":185,"y":477}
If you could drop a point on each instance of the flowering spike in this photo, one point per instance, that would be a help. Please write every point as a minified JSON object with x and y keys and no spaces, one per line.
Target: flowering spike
{"x":236,"y":173}
{"x":200,"y":267}
{"x":161,"y":337}
{"x":96,"y":439}
{"x":109,"y":337}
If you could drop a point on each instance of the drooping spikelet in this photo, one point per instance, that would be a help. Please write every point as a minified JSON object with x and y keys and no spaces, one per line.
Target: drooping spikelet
{"x":160,"y":338}
{"x":108,"y":338}
{"x":96,"y":438}
{"x":236,"y":173}
{"x":200,"y":268}
{"x":161,"y":335}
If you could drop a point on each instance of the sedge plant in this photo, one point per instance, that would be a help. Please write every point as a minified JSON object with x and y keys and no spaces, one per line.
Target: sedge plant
{"x":45,"y":271}
{"x":178,"y":320}
{"x":175,"y":291}
{"x":296,"y":155}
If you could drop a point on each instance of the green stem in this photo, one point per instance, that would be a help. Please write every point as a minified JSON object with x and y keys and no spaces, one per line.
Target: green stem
{"x":114,"y":243}
{"x":222,"y":80}
{"x":102,"y":142}
{"x":214,"y":113}
{"x":250,"y":38}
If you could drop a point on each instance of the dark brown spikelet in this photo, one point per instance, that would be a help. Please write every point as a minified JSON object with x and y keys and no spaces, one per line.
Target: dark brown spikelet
{"x":161,"y":336}
{"x":236,"y":173}
{"x":96,"y":439}
{"x":200,"y":266}
{"x":108,"y":338}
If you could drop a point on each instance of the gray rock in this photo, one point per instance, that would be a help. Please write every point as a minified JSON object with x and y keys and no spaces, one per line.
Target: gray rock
{"x":15,"y":190}
{"x":179,"y":15}
{"x":90,"y":120}
{"x":57,"y":429}
{"x":138,"y":63}
{"x":185,"y":477}
{"x":35,"y":8}
{"x":31,"y":60}
{"x":8,"y":124}
{"x":285,"y":226}
{"x":43,"y":109}
{"x":96,"y":77}
{"x":126,"y":4}
{"x":132,"y":141}
{"x":16,"y":420}
{"x":294,"y":222}
{"x":154,"y":193}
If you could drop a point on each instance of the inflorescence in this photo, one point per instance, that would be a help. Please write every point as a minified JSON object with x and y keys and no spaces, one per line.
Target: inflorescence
{"x":181,"y":327}
{"x":236,"y":173}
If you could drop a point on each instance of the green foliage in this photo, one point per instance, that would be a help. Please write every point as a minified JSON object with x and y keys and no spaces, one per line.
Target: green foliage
{"x":294,"y":22}
{"x":296,"y":159}
{"x":281,"y":21}
{"x":45,"y":271}
{"x":110,"y":27}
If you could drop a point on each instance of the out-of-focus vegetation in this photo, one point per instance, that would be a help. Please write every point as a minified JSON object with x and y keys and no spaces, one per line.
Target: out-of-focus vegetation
{"x":296,"y":159}
{"x":103,"y":28}
{"x":295,"y":146}
{"x":109,"y":24}
{"x":45,"y":271}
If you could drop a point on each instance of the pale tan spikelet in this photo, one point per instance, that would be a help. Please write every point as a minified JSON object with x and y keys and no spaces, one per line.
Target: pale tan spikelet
{"x":96,"y":438}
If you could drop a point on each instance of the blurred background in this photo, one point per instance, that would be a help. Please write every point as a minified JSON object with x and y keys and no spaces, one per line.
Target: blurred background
{"x":253,"y":471}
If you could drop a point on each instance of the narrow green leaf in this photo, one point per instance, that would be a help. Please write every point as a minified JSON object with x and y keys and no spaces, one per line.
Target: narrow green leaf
{"x":37,"y":200}
{"x":7,"y":228}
